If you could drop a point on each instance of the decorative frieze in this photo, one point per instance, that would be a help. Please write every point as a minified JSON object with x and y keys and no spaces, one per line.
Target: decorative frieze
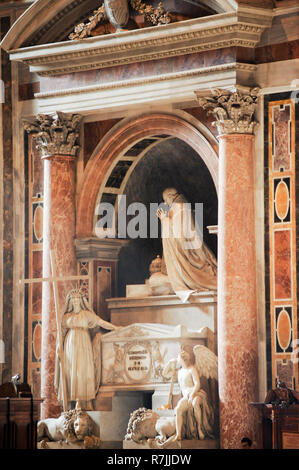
{"x":57,"y":134}
{"x":234,"y":112}
{"x":241,"y":28}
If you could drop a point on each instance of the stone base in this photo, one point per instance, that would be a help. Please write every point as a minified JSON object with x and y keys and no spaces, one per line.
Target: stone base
{"x":77,"y":445}
{"x":114,"y":423}
{"x":138,"y":290}
{"x":96,"y":418}
{"x":184,"y":444}
{"x":60,"y":445}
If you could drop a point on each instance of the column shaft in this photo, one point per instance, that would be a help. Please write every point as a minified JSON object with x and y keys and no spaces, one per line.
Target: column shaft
{"x":58,"y":233}
{"x":237,"y":310}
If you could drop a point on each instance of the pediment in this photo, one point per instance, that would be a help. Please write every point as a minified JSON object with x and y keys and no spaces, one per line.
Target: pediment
{"x":51,"y":21}
{"x":149,"y":331}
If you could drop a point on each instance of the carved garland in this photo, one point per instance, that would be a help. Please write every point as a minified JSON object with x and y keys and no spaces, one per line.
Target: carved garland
{"x":157,"y":16}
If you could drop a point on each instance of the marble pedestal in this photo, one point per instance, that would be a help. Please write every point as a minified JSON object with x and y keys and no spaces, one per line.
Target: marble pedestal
{"x":114,"y":423}
{"x":184,"y":444}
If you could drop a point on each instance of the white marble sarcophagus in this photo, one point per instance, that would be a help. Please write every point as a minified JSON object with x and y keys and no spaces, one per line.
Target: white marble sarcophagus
{"x":132,"y":360}
{"x":133,"y":357}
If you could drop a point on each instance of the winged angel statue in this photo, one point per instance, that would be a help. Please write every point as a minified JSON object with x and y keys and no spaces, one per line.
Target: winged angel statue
{"x":194,"y":413}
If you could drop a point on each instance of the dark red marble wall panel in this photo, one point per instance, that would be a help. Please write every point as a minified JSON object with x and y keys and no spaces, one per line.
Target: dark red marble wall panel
{"x":27,"y":90}
{"x":282,"y":264}
{"x":104,"y":278}
{"x":277,"y":52}
{"x":245,"y":54}
{"x":93,"y":134}
{"x":201,"y":115}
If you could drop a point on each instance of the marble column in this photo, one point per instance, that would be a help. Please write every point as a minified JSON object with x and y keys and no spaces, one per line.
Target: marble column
{"x":237,"y":309}
{"x":57,"y":136}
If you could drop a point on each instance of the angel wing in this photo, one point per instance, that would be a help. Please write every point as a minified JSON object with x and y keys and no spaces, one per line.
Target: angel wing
{"x":206,"y":362}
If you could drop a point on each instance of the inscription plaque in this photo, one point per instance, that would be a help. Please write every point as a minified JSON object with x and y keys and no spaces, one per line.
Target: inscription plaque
{"x":138,"y":360}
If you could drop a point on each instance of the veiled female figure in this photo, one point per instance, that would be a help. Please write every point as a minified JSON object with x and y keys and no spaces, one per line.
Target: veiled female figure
{"x":190,"y":264}
{"x":79,"y":363}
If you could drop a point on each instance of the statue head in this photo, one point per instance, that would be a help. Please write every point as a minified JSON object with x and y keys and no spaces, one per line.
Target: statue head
{"x":168,"y":195}
{"x":187,"y":356}
{"x":76,"y":301}
{"x":82,"y":425}
{"x":76,"y":424}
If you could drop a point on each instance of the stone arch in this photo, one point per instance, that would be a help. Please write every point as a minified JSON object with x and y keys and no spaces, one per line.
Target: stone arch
{"x":123,"y":136}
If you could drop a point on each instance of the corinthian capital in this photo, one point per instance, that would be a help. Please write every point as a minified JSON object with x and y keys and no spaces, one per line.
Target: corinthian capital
{"x":234,"y":111}
{"x":56,"y":135}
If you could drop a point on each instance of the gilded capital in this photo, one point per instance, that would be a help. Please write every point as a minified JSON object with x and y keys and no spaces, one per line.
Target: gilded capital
{"x":234,"y":111}
{"x":56,"y":135}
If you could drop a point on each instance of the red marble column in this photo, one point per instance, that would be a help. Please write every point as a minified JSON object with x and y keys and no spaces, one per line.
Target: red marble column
{"x":57,"y":136}
{"x":58,"y":236}
{"x":237,"y":309}
{"x":237,"y":302}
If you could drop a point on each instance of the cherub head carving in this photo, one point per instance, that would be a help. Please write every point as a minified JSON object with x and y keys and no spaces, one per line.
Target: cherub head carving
{"x":187,"y":356}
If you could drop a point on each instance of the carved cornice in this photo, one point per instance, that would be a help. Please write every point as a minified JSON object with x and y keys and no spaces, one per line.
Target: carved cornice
{"x":96,"y":248}
{"x":116,"y":12}
{"x":138,"y":58}
{"x":234,"y":112}
{"x":174,"y":39}
{"x":56,"y":135}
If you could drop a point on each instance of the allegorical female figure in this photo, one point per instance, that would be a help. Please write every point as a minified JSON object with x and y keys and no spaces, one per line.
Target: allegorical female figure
{"x":80,"y":365}
{"x":190,"y":264}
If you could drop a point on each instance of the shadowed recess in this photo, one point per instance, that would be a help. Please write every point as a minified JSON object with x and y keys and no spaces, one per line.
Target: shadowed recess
{"x":165,"y":165}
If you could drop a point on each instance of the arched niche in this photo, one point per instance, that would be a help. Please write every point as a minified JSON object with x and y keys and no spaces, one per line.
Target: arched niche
{"x":168,"y":162}
{"x":120,"y":140}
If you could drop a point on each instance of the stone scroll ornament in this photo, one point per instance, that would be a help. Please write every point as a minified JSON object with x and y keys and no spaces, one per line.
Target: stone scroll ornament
{"x":117,"y":13}
{"x":57,"y":134}
{"x":234,"y":111}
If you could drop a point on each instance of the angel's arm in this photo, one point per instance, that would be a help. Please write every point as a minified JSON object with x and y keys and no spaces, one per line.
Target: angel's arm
{"x":169,"y":368}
